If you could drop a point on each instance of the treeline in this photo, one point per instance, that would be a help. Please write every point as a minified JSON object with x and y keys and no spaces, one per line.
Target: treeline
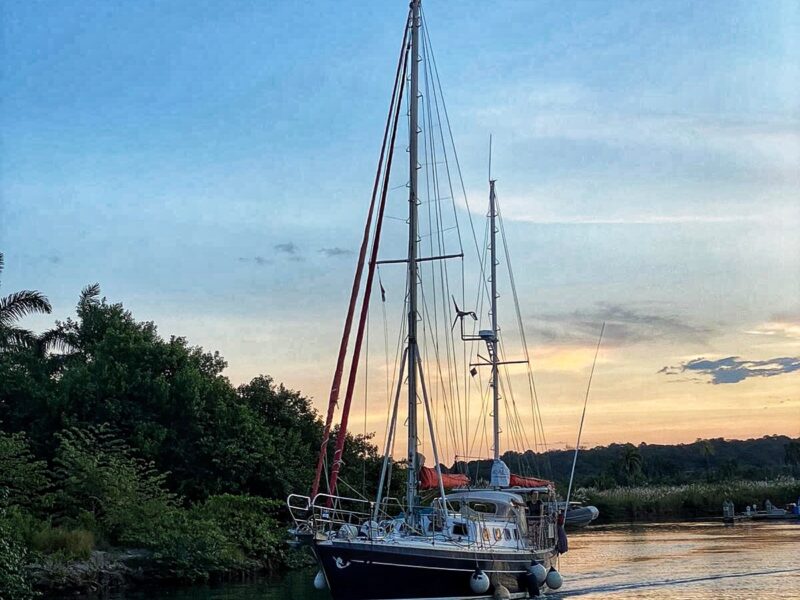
{"x":113,"y":437}
{"x":616,"y":465}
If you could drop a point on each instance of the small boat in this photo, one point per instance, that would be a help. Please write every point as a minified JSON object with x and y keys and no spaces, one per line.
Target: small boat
{"x":770,"y":512}
{"x":578,"y":515}
{"x":773,"y":513}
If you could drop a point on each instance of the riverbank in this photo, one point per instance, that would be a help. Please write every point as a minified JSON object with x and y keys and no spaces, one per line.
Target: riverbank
{"x":111,"y":572}
{"x":703,"y":561}
{"x":103,"y":571}
{"x":224,"y":538}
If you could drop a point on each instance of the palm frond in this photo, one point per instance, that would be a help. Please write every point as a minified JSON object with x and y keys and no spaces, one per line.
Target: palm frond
{"x":57,"y":340}
{"x":16,"y":337}
{"x":19,"y":304}
{"x":2,"y":262}
{"x":89,"y":295}
{"x":90,"y":291}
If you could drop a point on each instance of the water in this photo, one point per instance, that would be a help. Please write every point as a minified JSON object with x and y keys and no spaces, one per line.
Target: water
{"x":686,"y":561}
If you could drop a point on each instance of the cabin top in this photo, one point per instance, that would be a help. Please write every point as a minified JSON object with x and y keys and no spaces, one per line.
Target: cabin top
{"x":494,"y":503}
{"x":498,"y":496}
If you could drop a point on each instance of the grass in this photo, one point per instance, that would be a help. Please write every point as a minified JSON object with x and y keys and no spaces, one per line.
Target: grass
{"x":695,"y":500}
{"x":71,"y":543}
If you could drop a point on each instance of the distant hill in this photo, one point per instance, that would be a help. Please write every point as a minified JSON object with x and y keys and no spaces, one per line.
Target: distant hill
{"x":626,"y":464}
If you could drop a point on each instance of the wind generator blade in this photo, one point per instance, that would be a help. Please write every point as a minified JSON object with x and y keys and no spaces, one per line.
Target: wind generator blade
{"x":460,"y":314}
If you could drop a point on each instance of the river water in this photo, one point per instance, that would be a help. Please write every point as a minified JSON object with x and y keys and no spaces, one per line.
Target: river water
{"x":698,"y":561}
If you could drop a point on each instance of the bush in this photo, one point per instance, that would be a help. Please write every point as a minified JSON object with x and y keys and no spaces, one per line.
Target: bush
{"x":252,"y":524}
{"x":191,"y":548}
{"x":14,"y":581}
{"x":101,"y":481}
{"x":23,"y":479}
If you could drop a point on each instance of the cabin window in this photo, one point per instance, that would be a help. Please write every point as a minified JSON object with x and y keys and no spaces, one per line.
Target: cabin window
{"x":459,"y":529}
{"x":498,"y":535}
{"x":483,"y":507}
{"x":485,"y":535}
{"x":507,"y":533}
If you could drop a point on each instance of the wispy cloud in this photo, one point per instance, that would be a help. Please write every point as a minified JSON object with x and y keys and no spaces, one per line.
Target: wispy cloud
{"x":613,"y":202}
{"x":287,"y":248}
{"x":667,"y":157}
{"x":734,"y":369}
{"x":546,"y":217}
{"x":783,"y":325}
{"x":290,"y":250}
{"x":335,"y":251}
{"x":259,"y":260}
{"x":572,"y":112}
{"x":625,"y":325}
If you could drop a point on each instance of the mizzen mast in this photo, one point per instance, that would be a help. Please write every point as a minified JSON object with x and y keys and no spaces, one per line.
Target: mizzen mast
{"x":491,"y":341}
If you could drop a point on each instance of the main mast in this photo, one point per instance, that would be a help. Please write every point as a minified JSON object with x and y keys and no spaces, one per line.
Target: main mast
{"x":413,"y":134}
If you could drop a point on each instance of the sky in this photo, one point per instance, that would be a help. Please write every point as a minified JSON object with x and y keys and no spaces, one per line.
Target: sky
{"x":210,"y":165}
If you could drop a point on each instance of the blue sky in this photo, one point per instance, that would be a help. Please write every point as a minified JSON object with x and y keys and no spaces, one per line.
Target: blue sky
{"x":198,"y":159}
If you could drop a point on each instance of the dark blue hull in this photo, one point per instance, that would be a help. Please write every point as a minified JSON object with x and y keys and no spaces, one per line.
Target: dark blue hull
{"x":363,"y":571}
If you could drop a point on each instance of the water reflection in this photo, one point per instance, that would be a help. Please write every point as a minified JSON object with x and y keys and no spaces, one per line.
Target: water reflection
{"x":698,"y":561}
{"x":692,"y":561}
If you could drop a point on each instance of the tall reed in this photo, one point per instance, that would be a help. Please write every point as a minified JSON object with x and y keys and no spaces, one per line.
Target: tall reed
{"x":689,"y":501}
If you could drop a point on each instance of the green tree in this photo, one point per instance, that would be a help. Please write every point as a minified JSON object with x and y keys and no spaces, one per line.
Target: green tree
{"x":707,"y":450}
{"x":100,"y":480}
{"x":15,"y":583}
{"x":24,"y":480}
{"x":12,"y":308}
{"x":792,"y":455}
{"x":167,"y":400}
{"x":630,"y":463}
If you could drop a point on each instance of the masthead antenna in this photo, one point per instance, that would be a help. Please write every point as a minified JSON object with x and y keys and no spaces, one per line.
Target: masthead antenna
{"x":490,"y":157}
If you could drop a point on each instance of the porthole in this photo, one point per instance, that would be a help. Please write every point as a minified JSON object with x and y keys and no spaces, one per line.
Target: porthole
{"x":498,"y":535}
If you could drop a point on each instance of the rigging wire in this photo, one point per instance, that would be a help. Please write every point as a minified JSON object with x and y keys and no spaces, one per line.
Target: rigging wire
{"x":334,"y":393}
{"x":450,"y":413}
{"x":583,"y":415}
{"x":367,"y":292}
{"x":437,"y":229}
{"x":366,"y":398}
{"x":536,"y":414}
{"x":444,"y":279}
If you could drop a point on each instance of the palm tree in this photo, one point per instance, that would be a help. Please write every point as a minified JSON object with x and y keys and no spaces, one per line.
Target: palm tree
{"x":631,"y":462}
{"x":12,"y":308}
{"x":63,"y":341}
{"x":707,"y":450}
{"x":792,"y":456}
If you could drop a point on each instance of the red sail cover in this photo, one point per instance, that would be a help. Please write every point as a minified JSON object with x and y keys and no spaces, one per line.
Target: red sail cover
{"x":517,"y":481}
{"x":428,"y":479}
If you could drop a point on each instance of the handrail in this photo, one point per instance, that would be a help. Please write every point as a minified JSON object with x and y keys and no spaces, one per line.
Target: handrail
{"x":330,"y":516}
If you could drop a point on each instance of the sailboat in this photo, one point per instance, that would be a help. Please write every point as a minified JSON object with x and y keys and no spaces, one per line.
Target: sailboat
{"x":499,"y":539}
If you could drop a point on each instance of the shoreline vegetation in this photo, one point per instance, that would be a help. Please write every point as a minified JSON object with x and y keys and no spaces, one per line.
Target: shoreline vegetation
{"x":128,"y":458}
{"x":693,"y":501}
